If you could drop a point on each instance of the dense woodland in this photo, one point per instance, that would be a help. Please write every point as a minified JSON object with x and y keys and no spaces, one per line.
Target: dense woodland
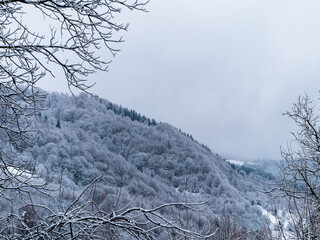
{"x":142,"y":163}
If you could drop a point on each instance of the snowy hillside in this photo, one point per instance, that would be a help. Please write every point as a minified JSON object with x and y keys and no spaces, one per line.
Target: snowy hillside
{"x":144,"y":163}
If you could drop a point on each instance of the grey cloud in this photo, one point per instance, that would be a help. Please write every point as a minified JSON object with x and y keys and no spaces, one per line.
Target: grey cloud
{"x":223,"y":71}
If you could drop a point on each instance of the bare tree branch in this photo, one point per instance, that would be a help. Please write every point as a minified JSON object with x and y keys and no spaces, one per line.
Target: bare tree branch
{"x":300,"y":172}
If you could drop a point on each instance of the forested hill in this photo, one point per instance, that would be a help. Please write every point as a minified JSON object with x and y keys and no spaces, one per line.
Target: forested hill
{"x":144,"y":163}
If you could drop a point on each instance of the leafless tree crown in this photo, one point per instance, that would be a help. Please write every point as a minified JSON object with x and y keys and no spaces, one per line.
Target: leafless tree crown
{"x":299,"y":184}
{"x":77,"y":32}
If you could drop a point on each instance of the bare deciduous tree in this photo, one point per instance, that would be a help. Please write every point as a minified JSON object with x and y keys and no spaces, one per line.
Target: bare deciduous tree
{"x":77,"y":31}
{"x":299,"y":184}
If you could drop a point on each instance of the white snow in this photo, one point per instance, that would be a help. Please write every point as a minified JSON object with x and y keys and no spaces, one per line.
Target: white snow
{"x":235,"y":162}
{"x":272,"y":218}
{"x":274,"y":222}
{"x":18,"y":172}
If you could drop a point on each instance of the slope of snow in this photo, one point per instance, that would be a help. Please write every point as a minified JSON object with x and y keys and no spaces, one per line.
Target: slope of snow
{"x":235,"y":162}
{"x":18,"y":172}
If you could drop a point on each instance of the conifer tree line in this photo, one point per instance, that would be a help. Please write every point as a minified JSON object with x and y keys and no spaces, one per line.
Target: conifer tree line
{"x":132,"y":114}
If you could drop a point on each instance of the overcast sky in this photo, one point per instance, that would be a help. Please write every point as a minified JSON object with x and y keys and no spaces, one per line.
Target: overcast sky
{"x":221,"y":70}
